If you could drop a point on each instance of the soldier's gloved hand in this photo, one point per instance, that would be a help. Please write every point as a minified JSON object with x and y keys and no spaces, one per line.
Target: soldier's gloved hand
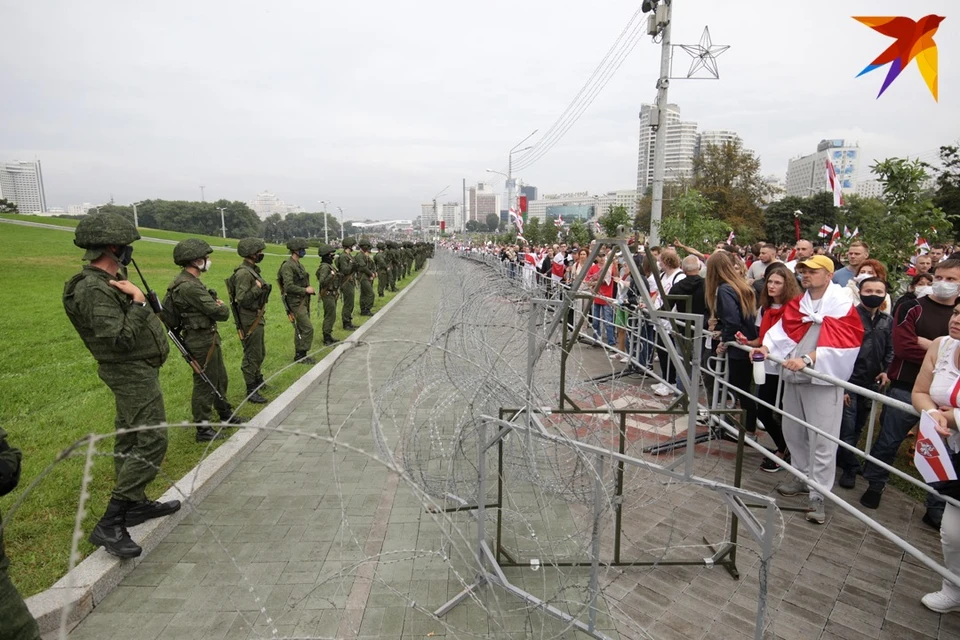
{"x":9,"y":468}
{"x":213,"y":293}
{"x":266,"y":286}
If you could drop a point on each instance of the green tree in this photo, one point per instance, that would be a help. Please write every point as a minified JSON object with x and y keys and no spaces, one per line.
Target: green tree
{"x":729,"y":176}
{"x":779,"y":219}
{"x":532,"y":231}
{"x":615,"y":217}
{"x":7,"y":207}
{"x":578,"y":233}
{"x":909,"y":211}
{"x":493,"y":222}
{"x":473,"y":226}
{"x":947,"y":196}
{"x":691,"y":221}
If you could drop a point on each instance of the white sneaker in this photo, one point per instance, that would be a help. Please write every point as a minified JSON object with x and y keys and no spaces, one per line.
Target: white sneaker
{"x":624,"y":359}
{"x":940,"y":602}
{"x":662,"y":390}
{"x":613,"y":355}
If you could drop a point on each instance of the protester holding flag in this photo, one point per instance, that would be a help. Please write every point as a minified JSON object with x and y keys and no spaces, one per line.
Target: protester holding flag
{"x":936,"y":393}
{"x":822,"y":331}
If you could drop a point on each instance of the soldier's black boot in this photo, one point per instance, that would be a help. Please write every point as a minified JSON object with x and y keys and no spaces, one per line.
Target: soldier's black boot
{"x":111,"y":532}
{"x":140,"y":512}
{"x":253,"y":395}
{"x":349,"y":326}
{"x":209,"y":434}
{"x":303,"y":358}
{"x":230,"y":418}
{"x":328,"y":340}
{"x":260,"y":384}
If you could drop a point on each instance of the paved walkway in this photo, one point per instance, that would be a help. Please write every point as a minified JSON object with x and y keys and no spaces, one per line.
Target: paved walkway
{"x":306,"y":539}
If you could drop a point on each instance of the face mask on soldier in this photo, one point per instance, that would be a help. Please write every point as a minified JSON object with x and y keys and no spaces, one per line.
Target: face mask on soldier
{"x":302,"y":252}
{"x":205,"y":265}
{"x":124,"y":254}
{"x":259,"y":257}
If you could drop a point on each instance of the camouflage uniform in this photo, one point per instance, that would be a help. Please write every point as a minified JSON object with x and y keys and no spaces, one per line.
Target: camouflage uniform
{"x":345,"y":267}
{"x":16,"y":623}
{"x":382,"y":262}
{"x":128,"y":341}
{"x":329,"y":287}
{"x":198,"y":310}
{"x":249,"y":295}
{"x":294,"y":282}
{"x":394,"y":257}
{"x":366,"y":271}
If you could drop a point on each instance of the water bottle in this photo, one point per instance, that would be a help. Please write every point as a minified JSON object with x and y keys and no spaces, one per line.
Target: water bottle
{"x":759,"y":369}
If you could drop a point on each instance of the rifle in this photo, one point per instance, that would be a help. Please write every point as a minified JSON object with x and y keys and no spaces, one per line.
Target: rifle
{"x":174,"y":335}
{"x":286,"y":307}
{"x":236,"y":312}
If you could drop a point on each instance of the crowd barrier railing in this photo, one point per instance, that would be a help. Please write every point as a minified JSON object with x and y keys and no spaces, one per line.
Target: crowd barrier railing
{"x":638,"y":336}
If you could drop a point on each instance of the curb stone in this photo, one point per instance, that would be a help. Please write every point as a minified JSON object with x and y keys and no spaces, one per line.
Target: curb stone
{"x":95,"y":577}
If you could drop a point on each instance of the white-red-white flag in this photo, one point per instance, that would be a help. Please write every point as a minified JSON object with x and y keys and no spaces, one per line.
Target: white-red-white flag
{"x":841,"y":331}
{"x":834,"y":184}
{"x":856,"y":232}
{"x":930,"y":455}
{"x":846,"y":231}
{"x":825,"y":231}
{"x":558,"y":222}
{"x":922,"y":245}
{"x":517,"y":220}
{"x":834,"y":239}
{"x":731,"y":237}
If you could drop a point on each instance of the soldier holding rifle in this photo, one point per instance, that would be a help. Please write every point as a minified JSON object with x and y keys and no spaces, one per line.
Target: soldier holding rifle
{"x":249,"y":294}
{"x":126,"y":338}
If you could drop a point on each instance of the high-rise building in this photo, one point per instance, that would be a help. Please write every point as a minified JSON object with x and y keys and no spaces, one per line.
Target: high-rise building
{"x":870,"y":189}
{"x":807,"y":175}
{"x":680,"y":149}
{"x":529,"y":191}
{"x":452,"y":216}
{"x":581,"y":205}
{"x":487,"y":201}
{"x":427,"y":215}
{"x":21,"y":183}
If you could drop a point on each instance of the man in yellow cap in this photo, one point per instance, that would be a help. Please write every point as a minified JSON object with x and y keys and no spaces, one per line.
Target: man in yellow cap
{"x":819,"y":331}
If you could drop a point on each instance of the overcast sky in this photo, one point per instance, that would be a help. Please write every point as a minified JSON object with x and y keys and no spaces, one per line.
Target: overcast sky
{"x":377,"y":105}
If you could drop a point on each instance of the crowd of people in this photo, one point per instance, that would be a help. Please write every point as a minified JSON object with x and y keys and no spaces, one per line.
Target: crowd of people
{"x":892,"y":329}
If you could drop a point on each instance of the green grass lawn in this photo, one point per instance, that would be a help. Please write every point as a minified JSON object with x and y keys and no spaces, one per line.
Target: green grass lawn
{"x":214,"y":241}
{"x":52,"y":397}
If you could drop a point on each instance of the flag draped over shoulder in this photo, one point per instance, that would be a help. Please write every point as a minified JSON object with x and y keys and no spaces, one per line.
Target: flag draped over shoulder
{"x":841,"y":332}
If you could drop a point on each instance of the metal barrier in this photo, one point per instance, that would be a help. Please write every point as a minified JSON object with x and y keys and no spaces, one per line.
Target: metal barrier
{"x":722,"y":387}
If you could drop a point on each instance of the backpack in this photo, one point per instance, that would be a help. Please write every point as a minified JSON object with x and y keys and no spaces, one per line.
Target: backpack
{"x":169,"y":314}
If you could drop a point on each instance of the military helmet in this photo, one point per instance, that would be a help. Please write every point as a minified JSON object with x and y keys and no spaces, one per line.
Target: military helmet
{"x":325,"y":250}
{"x":189,"y":250}
{"x":348,"y":242}
{"x":250,"y":246}
{"x":364,"y":243}
{"x":296,"y":244}
{"x":105,"y":229}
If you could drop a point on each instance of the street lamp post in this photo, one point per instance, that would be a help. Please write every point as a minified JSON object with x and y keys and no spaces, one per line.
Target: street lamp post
{"x":202,"y":198}
{"x":515,"y":149}
{"x":326,"y":239}
{"x":434,"y":210}
{"x":136,"y":220}
{"x":340,"y":209}
{"x":223,"y":224}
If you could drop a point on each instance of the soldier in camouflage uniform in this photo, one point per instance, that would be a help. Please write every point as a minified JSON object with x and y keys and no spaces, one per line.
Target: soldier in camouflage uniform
{"x":129,"y":343}
{"x":296,"y":291}
{"x":394,"y":260}
{"x":382,"y":262}
{"x":345,"y":267}
{"x":249,"y":294}
{"x":16,"y":623}
{"x":421,"y":255}
{"x":196,"y":311}
{"x":366,"y":271}
{"x":407,"y":258}
{"x":328,"y":281}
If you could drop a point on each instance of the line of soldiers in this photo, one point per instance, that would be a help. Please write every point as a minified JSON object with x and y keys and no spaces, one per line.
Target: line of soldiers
{"x":127,"y":333}
{"x":339,"y":276}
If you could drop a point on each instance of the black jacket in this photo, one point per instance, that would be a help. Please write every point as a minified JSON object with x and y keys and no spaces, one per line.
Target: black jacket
{"x":876,"y":351}
{"x":732,"y":319}
{"x":692,"y":286}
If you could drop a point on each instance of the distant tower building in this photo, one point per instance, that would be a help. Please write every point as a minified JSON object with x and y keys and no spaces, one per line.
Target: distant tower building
{"x":21,"y":183}
{"x":487,"y":201}
{"x":680,"y":149}
{"x":529,"y":191}
{"x":807,"y":175}
{"x":452,"y":217}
